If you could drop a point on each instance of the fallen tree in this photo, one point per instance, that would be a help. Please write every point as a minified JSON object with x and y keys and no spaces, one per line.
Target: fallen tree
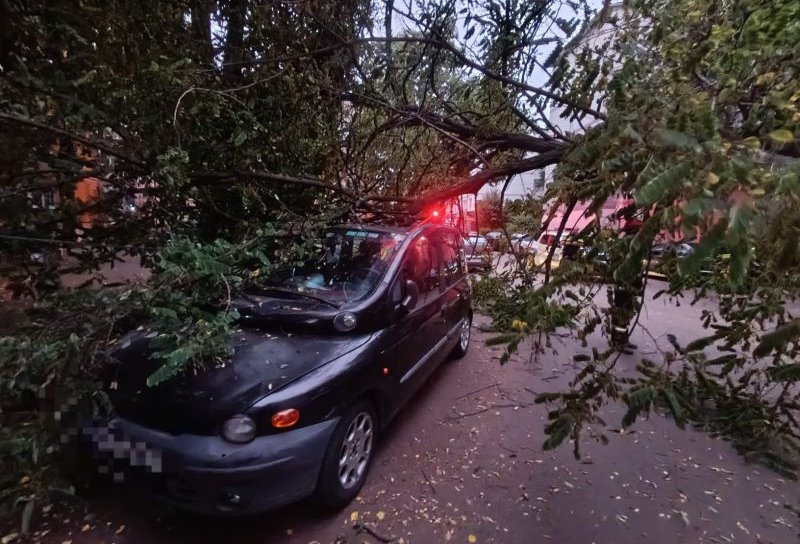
{"x":234,"y":149}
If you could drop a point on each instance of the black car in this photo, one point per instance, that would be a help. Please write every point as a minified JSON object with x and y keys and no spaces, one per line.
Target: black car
{"x":325,"y":356}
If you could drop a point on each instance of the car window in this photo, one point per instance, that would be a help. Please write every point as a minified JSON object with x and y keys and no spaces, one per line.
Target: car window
{"x":451,"y":256}
{"x":422,"y":266}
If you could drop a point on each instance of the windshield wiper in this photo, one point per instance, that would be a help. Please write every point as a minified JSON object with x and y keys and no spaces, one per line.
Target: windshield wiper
{"x":298,"y":293}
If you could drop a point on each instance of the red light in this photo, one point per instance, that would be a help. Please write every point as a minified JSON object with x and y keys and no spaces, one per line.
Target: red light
{"x":435,"y":215}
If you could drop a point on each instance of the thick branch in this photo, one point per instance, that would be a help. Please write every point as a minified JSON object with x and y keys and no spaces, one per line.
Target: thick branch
{"x":222,"y":178}
{"x":418,"y":120}
{"x":500,"y":140}
{"x":74,"y":137}
{"x":471,"y":185}
{"x":474,"y":183}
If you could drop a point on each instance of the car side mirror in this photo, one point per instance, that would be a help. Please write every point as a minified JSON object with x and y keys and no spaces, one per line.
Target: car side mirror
{"x":409,"y":302}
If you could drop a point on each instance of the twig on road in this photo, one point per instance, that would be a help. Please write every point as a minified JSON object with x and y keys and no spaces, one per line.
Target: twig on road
{"x":461,"y":416}
{"x":495,"y":384}
{"x":364,"y":528}
{"x":428,"y":480}
{"x":486,"y":409}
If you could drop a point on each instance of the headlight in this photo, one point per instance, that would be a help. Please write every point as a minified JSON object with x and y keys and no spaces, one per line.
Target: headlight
{"x":345,"y":321}
{"x":239,"y":429}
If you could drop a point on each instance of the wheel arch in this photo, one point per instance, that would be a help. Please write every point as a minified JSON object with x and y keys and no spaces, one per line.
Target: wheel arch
{"x":379,"y":401}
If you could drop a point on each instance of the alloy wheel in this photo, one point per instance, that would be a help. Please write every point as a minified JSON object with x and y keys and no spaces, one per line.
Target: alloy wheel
{"x":465,"y":332}
{"x":356,"y":450}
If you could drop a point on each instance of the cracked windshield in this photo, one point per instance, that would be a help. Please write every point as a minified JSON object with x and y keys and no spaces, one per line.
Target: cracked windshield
{"x":352,"y":264}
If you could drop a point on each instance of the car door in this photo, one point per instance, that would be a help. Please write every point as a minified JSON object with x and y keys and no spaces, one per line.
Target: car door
{"x":420,"y":330}
{"x":455,"y":286}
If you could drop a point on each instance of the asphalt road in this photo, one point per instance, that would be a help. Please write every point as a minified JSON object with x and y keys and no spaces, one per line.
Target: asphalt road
{"x":464,"y":463}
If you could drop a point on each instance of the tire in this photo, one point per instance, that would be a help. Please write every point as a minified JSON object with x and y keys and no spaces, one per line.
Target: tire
{"x":462,"y":346}
{"x":338,"y":485}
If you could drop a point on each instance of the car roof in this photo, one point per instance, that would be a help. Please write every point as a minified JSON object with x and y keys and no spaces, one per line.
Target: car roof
{"x":390,"y":229}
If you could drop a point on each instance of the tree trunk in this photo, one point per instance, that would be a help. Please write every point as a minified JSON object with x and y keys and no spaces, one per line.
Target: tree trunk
{"x":234,"y":37}
{"x":201,"y":29}
{"x":388,"y":45}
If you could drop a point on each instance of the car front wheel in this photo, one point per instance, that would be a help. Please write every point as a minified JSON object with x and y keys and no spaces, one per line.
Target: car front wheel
{"x":348,"y":457}
{"x":463,"y":339}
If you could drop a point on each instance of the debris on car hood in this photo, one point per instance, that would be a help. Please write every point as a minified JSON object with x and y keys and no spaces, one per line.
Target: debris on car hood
{"x":263,"y":362}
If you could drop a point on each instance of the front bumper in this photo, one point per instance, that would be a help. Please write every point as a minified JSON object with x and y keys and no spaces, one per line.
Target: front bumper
{"x":209,"y":475}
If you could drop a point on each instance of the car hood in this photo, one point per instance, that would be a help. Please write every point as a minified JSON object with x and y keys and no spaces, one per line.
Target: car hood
{"x":263,"y":362}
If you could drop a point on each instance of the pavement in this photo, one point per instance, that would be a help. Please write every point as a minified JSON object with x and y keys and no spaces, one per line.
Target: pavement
{"x":125,"y":269}
{"x":464,"y":463}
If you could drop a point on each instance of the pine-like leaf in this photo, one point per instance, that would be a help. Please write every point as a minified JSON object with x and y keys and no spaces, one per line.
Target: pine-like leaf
{"x":678,"y":139}
{"x":785,"y":373}
{"x":675,"y":408}
{"x":701,"y":343}
{"x":559,"y":430}
{"x":778,"y":338}
{"x":663,"y":184}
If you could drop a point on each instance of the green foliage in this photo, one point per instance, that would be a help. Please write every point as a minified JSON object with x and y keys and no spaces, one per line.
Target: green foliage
{"x":190,"y":280}
{"x":223,"y":140}
{"x":662,"y":184}
{"x":168,"y":121}
{"x":49,"y":375}
{"x":524,"y":216}
{"x":45,"y":378}
{"x":778,"y":339}
{"x":701,"y":106}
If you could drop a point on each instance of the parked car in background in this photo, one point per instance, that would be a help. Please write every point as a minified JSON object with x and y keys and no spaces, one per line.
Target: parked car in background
{"x":684,"y":250}
{"x":516,"y":240}
{"x":495,"y":239}
{"x":540,"y":249}
{"x":323,"y":357}
{"x":665,"y":251}
{"x":477,"y":243}
{"x":590,"y":254}
{"x":478,"y":253}
{"x":527,"y":245}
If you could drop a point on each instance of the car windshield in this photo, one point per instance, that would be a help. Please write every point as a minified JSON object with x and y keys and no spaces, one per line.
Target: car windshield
{"x":349,"y":266}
